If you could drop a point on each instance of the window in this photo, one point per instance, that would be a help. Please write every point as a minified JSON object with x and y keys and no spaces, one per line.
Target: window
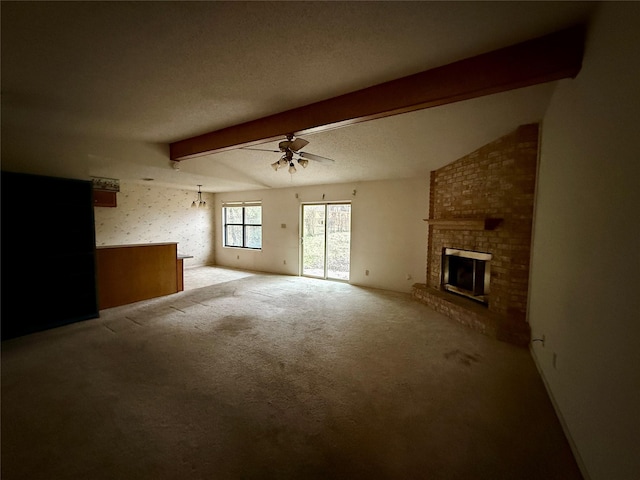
{"x":242,"y":224}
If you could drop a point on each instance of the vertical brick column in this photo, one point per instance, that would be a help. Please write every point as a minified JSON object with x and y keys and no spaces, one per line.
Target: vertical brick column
{"x":430,"y":227}
{"x":495,"y":181}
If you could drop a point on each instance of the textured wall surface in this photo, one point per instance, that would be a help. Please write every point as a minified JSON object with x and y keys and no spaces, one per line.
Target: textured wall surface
{"x":584,"y":272}
{"x":149,"y":214}
{"x":387,"y":231}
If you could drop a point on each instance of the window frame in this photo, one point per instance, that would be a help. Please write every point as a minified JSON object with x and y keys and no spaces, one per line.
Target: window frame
{"x":244,"y":224}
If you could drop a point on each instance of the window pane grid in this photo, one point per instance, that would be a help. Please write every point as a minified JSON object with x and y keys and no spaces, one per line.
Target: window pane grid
{"x":243,"y":226}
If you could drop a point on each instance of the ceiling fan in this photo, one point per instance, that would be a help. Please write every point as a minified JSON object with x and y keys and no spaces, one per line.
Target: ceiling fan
{"x":290,"y":147}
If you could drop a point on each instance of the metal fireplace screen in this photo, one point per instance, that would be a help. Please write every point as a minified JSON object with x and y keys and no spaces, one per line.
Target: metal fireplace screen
{"x":466,"y":273}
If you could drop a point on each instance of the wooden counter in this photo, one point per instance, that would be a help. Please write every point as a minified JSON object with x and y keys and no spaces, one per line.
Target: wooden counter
{"x":130,"y":273}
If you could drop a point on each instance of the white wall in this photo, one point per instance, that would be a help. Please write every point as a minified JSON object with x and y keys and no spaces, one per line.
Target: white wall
{"x":585,"y":292}
{"x":388,"y":235}
{"x":148,"y":214}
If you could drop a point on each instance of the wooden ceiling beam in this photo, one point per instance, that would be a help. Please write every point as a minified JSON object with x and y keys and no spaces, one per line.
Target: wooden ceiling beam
{"x":544,"y":59}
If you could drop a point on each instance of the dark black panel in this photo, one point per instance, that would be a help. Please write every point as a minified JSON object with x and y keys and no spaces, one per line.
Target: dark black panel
{"x":461,"y":273}
{"x":48,"y":253}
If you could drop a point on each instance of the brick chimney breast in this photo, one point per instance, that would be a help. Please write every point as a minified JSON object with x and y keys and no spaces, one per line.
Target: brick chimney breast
{"x":497,"y":181}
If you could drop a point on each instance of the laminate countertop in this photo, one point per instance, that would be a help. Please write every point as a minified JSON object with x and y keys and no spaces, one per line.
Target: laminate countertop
{"x":136,"y":245}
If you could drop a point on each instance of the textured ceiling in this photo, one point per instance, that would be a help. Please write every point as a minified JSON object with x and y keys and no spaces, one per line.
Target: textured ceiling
{"x":101,"y":88}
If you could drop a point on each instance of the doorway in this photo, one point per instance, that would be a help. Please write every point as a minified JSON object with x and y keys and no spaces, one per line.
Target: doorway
{"x":326,"y":240}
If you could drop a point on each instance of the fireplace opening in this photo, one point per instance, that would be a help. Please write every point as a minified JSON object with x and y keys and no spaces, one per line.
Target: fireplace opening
{"x":466,"y":273}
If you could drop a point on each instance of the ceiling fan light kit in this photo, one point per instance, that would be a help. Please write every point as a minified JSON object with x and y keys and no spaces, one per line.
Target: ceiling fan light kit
{"x":290,"y":147}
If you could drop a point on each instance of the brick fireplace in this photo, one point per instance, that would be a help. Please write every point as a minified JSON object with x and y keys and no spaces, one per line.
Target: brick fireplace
{"x":483,"y":204}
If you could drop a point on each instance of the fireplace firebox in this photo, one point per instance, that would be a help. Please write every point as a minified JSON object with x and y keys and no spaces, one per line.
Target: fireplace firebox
{"x":466,"y":273}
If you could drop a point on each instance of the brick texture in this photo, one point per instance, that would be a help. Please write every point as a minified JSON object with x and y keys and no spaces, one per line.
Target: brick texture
{"x":496,"y":181}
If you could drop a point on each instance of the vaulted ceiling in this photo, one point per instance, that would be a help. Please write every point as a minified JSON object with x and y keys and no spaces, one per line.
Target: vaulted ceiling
{"x":103,"y":88}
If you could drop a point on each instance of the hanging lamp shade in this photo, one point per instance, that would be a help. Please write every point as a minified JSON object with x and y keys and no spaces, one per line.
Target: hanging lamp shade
{"x":198,"y":202}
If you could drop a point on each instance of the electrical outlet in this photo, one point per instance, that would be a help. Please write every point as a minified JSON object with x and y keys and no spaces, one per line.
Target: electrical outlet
{"x":238,"y":257}
{"x":366,"y":272}
{"x":284,"y":262}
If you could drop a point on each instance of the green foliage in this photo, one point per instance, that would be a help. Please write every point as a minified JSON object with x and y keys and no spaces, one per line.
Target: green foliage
{"x":338,"y":248}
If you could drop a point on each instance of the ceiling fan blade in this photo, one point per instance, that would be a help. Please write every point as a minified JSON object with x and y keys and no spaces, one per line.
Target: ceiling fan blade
{"x":284,"y":145}
{"x":317,"y":158}
{"x":298,"y":144}
{"x":259,"y":149}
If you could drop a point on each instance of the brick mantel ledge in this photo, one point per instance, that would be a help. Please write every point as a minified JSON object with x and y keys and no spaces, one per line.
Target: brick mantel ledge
{"x":465,"y":223}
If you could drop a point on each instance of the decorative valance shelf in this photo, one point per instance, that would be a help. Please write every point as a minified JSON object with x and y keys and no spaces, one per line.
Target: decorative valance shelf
{"x":465,"y":223}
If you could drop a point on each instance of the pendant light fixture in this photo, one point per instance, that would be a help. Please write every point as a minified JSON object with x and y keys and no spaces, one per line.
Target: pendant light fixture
{"x":198,"y":202}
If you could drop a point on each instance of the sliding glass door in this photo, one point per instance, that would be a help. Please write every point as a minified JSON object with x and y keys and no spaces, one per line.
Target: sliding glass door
{"x":326,"y":240}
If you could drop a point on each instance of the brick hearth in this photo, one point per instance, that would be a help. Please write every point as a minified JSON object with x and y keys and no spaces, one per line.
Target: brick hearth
{"x":495,"y":182}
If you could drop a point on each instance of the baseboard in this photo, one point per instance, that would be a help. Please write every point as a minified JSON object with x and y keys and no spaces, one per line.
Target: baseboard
{"x":565,"y":428}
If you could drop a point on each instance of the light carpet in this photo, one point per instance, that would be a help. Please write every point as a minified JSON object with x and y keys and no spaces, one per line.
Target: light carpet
{"x":275,"y":377}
